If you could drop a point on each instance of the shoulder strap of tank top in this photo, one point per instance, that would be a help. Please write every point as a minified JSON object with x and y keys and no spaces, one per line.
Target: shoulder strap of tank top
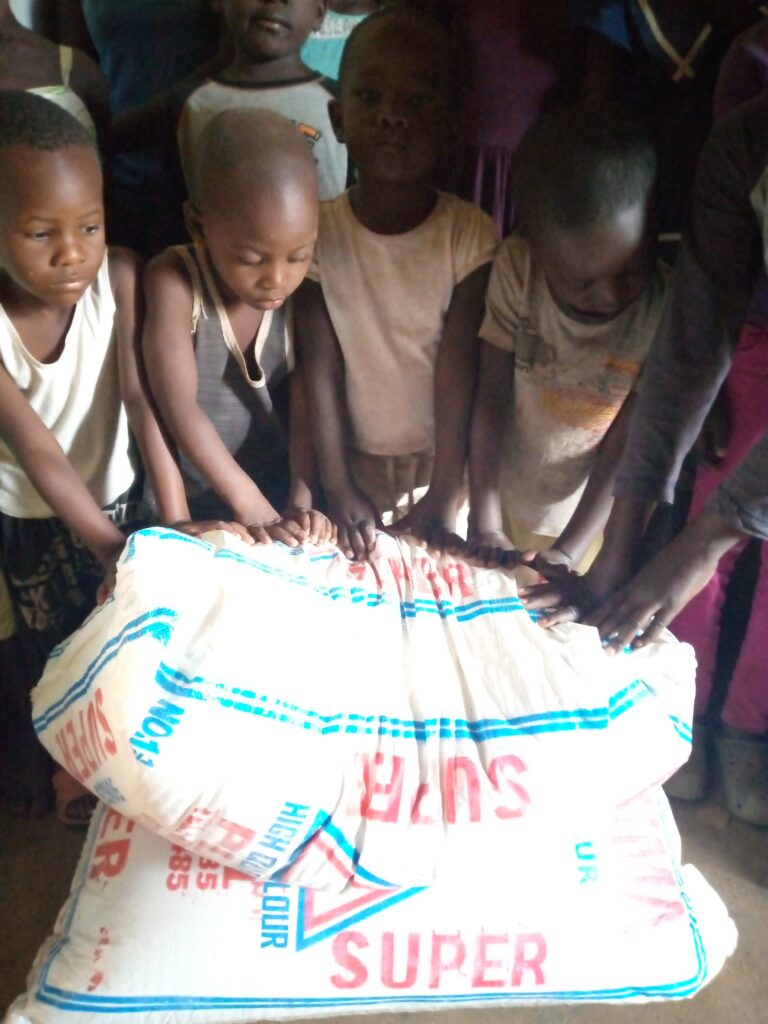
{"x":288,"y":338}
{"x":226,"y":327}
{"x":66,"y":58}
{"x":198,"y":309}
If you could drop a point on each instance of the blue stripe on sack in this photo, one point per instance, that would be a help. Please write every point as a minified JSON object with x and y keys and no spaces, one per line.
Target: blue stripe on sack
{"x":444,"y":607}
{"x":54,"y":996}
{"x":71,"y":1001}
{"x":354,"y":856}
{"x":158,"y":624}
{"x":304,"y":942}
{"x":177,"y":683}
{"x":161,"y":533}
{"x":683,"y":729}
{"x":671,"y":838}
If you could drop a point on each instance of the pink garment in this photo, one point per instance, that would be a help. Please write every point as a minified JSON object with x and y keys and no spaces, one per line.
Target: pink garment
{"x":746,"y":704}
{"x":514,"y":58}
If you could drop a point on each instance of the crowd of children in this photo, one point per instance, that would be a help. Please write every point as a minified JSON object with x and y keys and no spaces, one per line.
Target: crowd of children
{"x":326,"y":344}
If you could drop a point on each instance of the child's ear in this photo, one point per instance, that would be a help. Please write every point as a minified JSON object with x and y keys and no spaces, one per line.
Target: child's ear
{"x":337,"y":122}
{"x":193,"y":221}
{"x":322,"y":7}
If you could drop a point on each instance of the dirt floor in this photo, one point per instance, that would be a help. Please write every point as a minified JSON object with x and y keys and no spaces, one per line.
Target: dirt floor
{"x":37,"y":860}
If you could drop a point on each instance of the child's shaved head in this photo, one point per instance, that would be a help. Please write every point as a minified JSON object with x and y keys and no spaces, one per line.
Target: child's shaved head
{"x":29,"y":120}
{"x":402,"y":27}
{"x":255,"y":150}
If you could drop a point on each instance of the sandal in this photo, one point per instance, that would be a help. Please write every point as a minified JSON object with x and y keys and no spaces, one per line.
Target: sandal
{"x":744,"y":770}
{"x":74,"y":803}
{"x":691,"y":781}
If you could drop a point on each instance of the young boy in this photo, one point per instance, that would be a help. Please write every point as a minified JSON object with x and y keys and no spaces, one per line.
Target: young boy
{"x":68,"y":388}
{"x":218,"y":342}
{"x":267,"y":72}
{"x":390,"y":318}
{"x":572,"y":307}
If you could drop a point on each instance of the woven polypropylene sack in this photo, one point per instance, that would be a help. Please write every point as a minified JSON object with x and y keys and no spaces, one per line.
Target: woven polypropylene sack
{"x":154,"y":935}
{"x":305,"y":719}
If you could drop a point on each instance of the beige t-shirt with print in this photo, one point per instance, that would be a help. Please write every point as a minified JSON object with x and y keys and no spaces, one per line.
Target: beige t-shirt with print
{"x":387,"y":296}
{"x":570,"y":381}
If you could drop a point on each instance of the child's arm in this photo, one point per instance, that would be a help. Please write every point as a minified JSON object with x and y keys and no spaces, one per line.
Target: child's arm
{"x":591,"y":514}
{"x":172,"y":372}
{"x":317,"y":528}
{"x":353,"y":514}
{"x":160,"y":464}
{"x":487,"y":540}
{"x":156,"y":448}
{"x":434,"y":517}
{"x":40,"y":456}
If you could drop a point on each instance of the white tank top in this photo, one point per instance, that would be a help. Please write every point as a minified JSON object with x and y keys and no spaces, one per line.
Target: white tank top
{"x":77,"y":398}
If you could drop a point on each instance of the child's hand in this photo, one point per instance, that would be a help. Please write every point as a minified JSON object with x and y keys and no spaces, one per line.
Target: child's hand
{"x":196,"y":528}
{"x":565,"y":597}
{"x":109,"y":565}
{"x":286,"y":531}
{"x":432,"y":525}
{"x":492,"y":549}
{"x":551,"y":563}
{"x":356,"y":521}
{"x":316,"y":527}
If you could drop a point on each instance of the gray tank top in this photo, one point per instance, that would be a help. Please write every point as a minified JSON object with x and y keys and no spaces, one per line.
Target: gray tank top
{"x":242,"y":408}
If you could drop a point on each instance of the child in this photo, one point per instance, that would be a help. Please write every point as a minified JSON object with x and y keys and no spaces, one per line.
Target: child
{"x":61,"y":74}
{"x":267,"y":71}
{"x":572,"y":307}
{"x":67,"y":379}
{"x":218,"y":342}
{"x":322,"y":51}
{"x":389,"y":321}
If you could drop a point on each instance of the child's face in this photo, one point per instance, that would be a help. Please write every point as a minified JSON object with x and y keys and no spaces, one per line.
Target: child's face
{"x":262,"y":247}
{"x":595,"y":274}
{"x":51,"y":221}
{"x":266,"y":30}
{"x":393,"y":113}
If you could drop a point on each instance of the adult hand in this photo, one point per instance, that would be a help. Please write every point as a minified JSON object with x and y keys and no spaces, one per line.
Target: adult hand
{"x":640,"y":610}
{"x":637,"y":614}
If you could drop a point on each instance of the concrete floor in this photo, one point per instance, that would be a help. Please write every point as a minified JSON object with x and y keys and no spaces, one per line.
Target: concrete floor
{"x":38,"y":858}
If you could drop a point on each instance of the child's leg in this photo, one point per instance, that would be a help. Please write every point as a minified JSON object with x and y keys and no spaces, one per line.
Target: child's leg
{"x":18,"y":746}
{"x":52,"y":581}
{"x":746,"y":706}
{"x":394,"y":483}
{"x":742,"y":745}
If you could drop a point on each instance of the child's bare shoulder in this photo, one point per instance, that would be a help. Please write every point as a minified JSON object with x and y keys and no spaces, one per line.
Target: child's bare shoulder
{"x":124,"y":271}
{"x":167,"y":274}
